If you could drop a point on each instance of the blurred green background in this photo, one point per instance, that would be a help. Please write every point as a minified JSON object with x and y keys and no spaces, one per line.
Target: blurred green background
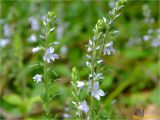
{"x":132,"y":75}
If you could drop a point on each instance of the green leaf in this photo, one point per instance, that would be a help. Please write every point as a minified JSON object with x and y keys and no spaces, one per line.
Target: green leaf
{"x":13,"y":99}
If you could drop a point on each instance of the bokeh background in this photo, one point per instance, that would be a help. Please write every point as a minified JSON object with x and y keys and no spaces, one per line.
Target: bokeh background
{"x":132,"y":75}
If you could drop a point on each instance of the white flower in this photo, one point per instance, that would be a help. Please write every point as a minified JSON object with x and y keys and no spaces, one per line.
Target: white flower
{"x":4,"y":42}
{"x":97,"y":93}
{"x":99,"y":61}
{"x":89,"y":49}
{"x":32,"y":38}
{"x":36,"y":49}
{"x":80,"y":84}
{"x":109,"y":48}
{"x":37,"y":78}
{"x":83,"y":106}
{"x":49,"y":55}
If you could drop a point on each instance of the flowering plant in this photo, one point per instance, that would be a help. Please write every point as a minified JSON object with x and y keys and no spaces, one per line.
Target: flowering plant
{"x":96,"y":49}
{"x":49,"y":56}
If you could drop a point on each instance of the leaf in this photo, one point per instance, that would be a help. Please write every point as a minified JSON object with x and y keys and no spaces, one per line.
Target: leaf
{"x":35,"y":99}
{"x":13,"y":99}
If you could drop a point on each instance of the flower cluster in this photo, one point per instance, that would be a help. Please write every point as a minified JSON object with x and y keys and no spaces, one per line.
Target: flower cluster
{"x":97,"y":48}
{"x":153,"y":35}
{"x":49,"y":55}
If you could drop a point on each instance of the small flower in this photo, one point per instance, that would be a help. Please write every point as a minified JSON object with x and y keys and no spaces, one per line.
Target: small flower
{"x":99,"y":61}
{"x":97,"y":93}
{"x":37,"y":78}
{"x":109,"y":48}
{"x":36,"y":49}
{"x":7,"y":30}
{"x":84,"y":107}
{"x":64,"y":50}
{"x":146,"y":37}
{"x":155,"y":43}
{"x":32,"y":38}
{"x":80,"y":84}
{"x":65,"y":115}
{"x":4,"y":42}
{"x":88,"y":64}
{"x":89,"y":49}
{"x":88,"y":56}
{"x":49,"y":55}
{"x":34,"y":24}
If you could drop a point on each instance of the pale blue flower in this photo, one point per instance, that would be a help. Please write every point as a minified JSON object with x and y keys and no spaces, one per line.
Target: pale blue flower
{"x":97,"y":93}
{"x":49,"y":55}
{"x":37,"y":78}
{"x":109,"y":48}
{"x":34,"y":23}
{"x":83,"y":106}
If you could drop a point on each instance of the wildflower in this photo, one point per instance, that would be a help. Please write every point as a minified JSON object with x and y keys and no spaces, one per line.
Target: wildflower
{"x":84,"y":107}
{"x":34,"y":24}
{"x":37,"y":78}
{"x":109,"y":48}
{"x":88,"y":64}
{"x":65,"y":115}
{"x":7,"y":30}
{"x":88,"y":56}
{"x":155,"y":43}
{"x":49,"y":55}
{"x":150,"y":31}
{"x":64,"y":50}
{"x":4,"y":42}
{"x":97,"y":93}
{"x":99,"y":61}
{"x":32,"y":38}
{"x":89,"y":49}
{"x":80,"y":84}
{"x":36,"y":49}
{"x":146,"y":37}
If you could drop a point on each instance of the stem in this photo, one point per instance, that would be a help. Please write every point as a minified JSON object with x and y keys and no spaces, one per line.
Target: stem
{"x":46,"y":83}
{"x":92,"y":72}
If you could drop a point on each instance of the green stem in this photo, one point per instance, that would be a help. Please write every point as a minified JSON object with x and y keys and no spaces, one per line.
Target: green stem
{"x":46,"y":83}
